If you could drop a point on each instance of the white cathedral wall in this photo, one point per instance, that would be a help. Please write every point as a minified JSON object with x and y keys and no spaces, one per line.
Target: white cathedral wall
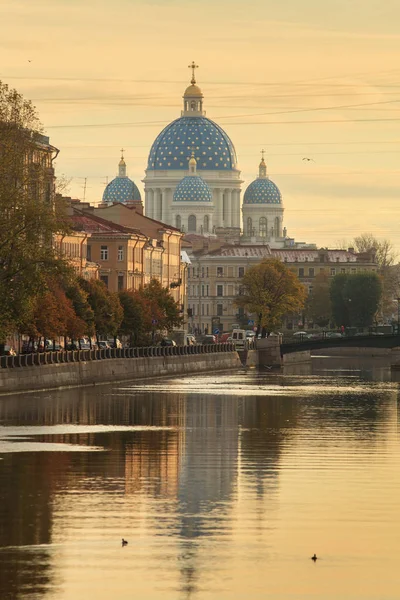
{"x":270,"y":212}
{"x":225,"y":187}
{"x":185,"y":209}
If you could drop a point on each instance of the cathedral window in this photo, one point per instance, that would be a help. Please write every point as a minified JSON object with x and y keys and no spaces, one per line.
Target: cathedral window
{"x":277,"y":227}
{"x":263,"y":227}
{"x":192,"y":223}
{"x":206,"y":223}
{"x":178,"y":221}
{"x":249,"y":226}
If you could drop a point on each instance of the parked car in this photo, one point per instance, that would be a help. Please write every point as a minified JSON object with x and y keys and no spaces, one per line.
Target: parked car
{"x":103,"y":345}
{"x":300,"y":334}
{"x":114,"y":343}
{"x":333,"y":334}
{"x":167,"y":342}
{"x":209,"y":339}
{"x":250,"y":333}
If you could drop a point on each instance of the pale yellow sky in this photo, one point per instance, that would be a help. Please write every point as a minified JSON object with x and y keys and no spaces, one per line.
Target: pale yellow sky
{"x":302,"y":79}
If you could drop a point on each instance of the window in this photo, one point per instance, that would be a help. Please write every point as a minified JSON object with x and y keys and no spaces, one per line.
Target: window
{"x":311,"y":272}
{"x":301,"y":272}
{"x":120,"y":283}
{"x":241,"y":312}
{"x":178,"y":221}
{"x":249,"y":226}
{"x":219,"y":310}
{"x":277,"y":227}
{"x":241,"y":272}
{"x":120,"y":253}
{"x":89,"y":252}
{"x":208,"y":310}
{"x":220,"y":271}
{"x":104,"y":279}
{"x":103,"y":252}
{"x":206,"y":223}
{"x":220,"y":290}
{"x":333,"y":271}
{"x":207,"y":294}
{"x":353,"y":271}
{"x":202,"y":290}
{"x":202,"y":310}
{"x":206,"y":271}
{"x":263,"y":227}
{"x":343,"y":270}
{"x":192,"y":223}
{"x":202,"y":271}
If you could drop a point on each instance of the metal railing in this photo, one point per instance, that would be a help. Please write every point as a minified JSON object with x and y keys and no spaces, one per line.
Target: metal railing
{"x":71,"y":356}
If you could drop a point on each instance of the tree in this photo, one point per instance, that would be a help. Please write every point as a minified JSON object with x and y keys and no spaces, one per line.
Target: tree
{"x":166,"y":311}
{"x":53,"y":315}
{"x":137,"y":320}
{"x":340,"y":300}
{"x":106,"y":307}
{"x":363,"y":292}
{"x":385,"y":257}
{"x":319,"y":303}
{"x":28,"y":220}
{"x":355,"y":298}
{"x":82,"y":308}
{"x":270,"y":291}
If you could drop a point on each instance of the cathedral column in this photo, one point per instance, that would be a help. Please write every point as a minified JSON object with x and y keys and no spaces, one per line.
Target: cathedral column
{"x":218,"y":207}
{"x":157,"y":199}
{"x":149,"y":203}
{"x":237,"y":207}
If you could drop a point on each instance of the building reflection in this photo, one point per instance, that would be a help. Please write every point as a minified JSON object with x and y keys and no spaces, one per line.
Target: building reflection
{"x":196,"y":455}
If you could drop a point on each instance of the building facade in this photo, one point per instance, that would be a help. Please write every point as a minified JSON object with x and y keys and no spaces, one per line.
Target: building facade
{"x":215,"y":277}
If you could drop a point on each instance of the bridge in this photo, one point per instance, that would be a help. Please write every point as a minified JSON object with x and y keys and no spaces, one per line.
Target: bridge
{"x":355,"y":341}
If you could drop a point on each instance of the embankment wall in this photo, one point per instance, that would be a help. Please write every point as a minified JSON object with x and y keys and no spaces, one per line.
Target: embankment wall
{"x":53,"y":376}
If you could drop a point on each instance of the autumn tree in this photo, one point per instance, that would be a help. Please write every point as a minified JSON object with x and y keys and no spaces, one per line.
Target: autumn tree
{"x":270,"y":291}
{"x":166,"y":311}
{"x":106,"y":307}
{"x":27,"y":216}
{"x":319,"y":302}
{"x":53,"y":315}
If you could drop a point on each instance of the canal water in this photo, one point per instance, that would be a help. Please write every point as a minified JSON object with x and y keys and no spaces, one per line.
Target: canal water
{"x":224,"y":486}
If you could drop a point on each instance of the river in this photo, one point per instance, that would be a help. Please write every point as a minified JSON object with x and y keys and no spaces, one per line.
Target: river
{"x":224,"y":486}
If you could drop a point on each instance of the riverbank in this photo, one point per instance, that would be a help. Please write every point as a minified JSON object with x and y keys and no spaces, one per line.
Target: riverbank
{"x":74,"y":374}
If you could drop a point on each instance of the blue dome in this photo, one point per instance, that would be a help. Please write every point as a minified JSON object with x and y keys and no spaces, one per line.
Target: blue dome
{"x":192,"y":188}
{"x":213,"y":149}
{"x":121,"y":189}
{"x":262,"y":191}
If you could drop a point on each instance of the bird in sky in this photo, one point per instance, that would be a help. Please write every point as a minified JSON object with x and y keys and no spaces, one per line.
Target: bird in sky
{"x":308,"y":159}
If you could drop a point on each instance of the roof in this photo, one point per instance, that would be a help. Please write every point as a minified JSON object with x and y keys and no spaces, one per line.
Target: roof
{"x":172,"y":148}
{"x":92,"y":224}
{"x":290,"y":255}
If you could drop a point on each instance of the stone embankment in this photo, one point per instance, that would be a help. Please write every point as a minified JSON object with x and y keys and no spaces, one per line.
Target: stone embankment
{"x":51,"y":370}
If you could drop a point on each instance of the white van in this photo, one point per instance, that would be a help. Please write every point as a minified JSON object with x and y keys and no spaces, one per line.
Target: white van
{"x":239,"y":339}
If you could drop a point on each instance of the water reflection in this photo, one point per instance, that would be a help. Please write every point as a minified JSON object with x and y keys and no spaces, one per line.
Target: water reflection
{"x":198,"y":481}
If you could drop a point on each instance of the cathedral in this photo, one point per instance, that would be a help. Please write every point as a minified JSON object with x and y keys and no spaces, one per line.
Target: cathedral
{"x":193,"y":182}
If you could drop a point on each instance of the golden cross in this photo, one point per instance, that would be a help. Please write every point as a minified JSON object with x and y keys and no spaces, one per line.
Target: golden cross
{"x":122,"y":152}
{"x":193,"y":66}
{"x":262,"y":153}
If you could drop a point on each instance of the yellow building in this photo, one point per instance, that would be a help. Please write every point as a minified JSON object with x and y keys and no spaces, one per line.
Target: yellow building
{"x":215,"y":277}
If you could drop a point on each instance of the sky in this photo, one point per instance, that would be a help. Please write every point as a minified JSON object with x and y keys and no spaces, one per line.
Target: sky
{"x":297,"y":78}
